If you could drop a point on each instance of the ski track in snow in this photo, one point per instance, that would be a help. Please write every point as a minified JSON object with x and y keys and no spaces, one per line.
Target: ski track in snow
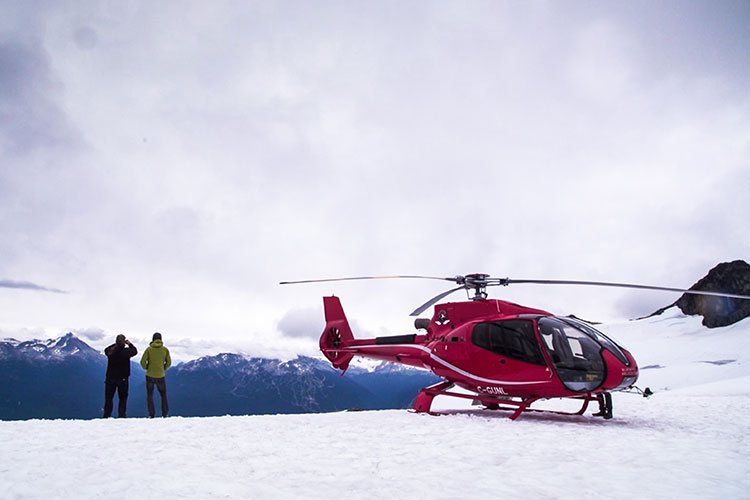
{"x":687,"y":442}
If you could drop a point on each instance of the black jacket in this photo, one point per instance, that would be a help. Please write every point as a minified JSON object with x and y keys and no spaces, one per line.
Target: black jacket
{"x":118,"y":360}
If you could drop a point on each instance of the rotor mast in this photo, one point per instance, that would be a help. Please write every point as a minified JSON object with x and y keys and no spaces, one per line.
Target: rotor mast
{"x":476,"y":281}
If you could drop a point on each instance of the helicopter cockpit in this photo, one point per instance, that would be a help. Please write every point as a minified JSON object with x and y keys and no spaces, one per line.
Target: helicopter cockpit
{"x":576,"y":351}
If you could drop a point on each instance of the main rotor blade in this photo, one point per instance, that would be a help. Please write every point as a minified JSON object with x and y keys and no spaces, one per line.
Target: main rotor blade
{"x":365,"y":278}
{"x":626,"y":285}
{"x":419,"y":310}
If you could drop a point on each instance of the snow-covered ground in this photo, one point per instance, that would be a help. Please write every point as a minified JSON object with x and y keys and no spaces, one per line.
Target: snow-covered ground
{"x":689,"y":441}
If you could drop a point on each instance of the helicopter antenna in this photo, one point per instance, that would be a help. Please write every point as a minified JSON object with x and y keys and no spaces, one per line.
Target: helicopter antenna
{"x":478,"y":283}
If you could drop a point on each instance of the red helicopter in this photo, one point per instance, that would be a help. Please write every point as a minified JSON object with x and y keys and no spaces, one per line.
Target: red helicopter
{"x":507,"y":355}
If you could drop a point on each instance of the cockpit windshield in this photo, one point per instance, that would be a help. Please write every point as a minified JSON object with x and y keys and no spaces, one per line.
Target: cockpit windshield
{"x":575,"y":353}
{"x":605,"y":341}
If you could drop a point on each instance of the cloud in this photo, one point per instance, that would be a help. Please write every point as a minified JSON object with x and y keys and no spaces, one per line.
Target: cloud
{"x":30,"y":117}
{"x":91,"y":333}
{"x":26,"y":285}
{"x":302,"y":323}
{"x":86,"y":38}
{"x":638,"y":305}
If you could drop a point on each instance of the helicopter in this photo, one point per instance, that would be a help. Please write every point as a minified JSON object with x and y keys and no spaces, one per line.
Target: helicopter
{"x":505,"y":355}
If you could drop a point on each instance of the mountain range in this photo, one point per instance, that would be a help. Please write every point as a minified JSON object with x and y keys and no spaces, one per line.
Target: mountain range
{"x":64,"y":378}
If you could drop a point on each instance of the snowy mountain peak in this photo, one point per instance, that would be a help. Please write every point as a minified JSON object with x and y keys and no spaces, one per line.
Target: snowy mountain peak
{"x":226,"y":363}
{"x":51,"y":349}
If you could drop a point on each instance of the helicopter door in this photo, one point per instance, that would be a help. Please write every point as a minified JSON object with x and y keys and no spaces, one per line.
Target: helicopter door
{"x":576,"y":356}
{"x":509,"y":351}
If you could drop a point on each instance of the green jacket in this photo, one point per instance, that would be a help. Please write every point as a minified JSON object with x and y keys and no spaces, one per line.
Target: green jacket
{"x":156,"y":359}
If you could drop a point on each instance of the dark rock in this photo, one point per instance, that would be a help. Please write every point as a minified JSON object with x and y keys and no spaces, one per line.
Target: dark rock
{"x":728,"y":277}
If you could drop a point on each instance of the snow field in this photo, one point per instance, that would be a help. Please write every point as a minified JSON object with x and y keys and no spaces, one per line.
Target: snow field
{"x":673,"y":444}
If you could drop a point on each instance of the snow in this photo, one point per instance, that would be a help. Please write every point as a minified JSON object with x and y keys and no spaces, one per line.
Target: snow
{"x":690,"y":441}
{"x":689,"y":353}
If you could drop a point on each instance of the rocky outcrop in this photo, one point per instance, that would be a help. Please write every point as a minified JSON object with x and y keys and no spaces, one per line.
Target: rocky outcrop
{"x":728,"y":277}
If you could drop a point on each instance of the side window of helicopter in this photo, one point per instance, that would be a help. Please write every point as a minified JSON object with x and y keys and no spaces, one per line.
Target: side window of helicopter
{"x":480,"y":335}
{"x":511,"y":338}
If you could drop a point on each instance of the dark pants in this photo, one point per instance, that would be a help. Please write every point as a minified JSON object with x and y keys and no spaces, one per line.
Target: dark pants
{"x":121,"y":386}
{"x":605,"y":405}
{"x":161,"y":384}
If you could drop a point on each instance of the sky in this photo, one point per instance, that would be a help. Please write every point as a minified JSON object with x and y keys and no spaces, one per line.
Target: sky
{"x":164,"y":166}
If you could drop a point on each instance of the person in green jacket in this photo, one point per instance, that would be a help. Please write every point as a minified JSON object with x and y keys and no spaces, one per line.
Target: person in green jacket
{"x":156,"y":361}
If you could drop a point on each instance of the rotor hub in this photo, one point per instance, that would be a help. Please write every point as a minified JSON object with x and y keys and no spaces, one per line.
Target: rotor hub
{"x":478,"y":282}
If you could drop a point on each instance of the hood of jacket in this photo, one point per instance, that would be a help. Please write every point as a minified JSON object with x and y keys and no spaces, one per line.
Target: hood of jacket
{"x":156,"y":343}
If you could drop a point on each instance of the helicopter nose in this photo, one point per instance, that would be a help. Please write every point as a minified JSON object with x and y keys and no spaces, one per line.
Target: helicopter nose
{"x":627,"y":381}
{"x":628,"y":374}
{"x":619,"y":374}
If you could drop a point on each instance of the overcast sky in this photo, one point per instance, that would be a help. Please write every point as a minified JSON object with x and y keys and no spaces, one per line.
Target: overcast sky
{"x":168,"y":163}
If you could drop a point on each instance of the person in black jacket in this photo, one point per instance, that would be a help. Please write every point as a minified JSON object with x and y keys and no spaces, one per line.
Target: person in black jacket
{"x":118,"y":375}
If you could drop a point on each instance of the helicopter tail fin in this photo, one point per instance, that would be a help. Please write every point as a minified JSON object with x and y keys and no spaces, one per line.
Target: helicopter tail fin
{"x":337,"y":334}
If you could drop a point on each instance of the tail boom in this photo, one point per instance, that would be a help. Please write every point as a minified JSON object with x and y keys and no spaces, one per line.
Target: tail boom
{"x":339,"y":346}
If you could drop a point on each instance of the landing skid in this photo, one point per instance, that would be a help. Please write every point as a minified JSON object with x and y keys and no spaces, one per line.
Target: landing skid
{"x":423,"y":402}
